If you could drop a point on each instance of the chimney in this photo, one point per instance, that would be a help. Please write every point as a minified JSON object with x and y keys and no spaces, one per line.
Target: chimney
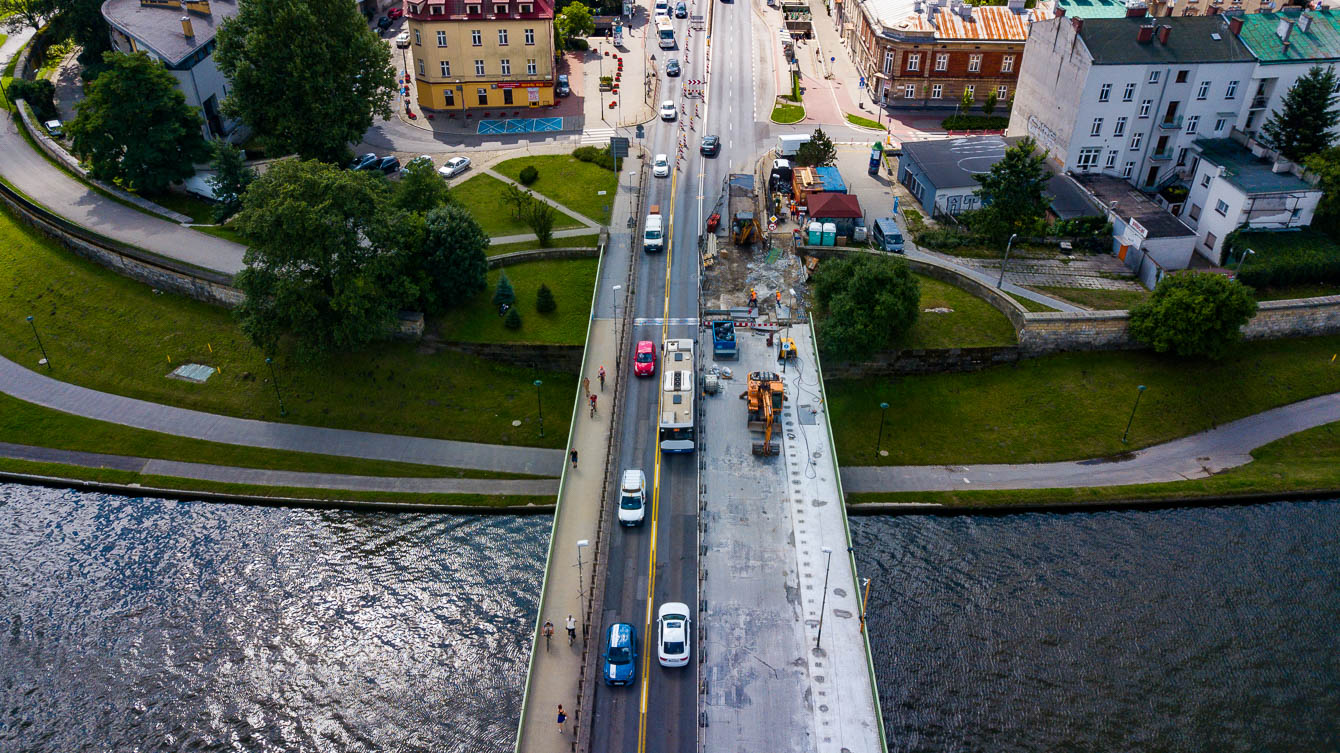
{"x":1304,"y":23}
{"x":1283,"y":29}
{"x":1016,"y":6}
{"x":1164,"y":31}
{"x":1136,"y":11}
{"x":1235,"y":25}
{"x":1145,"y":34}
{"x":1060,"y":12}
{"x":1078,"y":23}
{"x":186,"y":27}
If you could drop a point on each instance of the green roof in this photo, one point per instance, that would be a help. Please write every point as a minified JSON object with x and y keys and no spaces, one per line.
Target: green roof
{"x":1245,"y":170}
{"x":1192,"y":39}
{"x":1093,"y":8}
{"x":1320,"y":43}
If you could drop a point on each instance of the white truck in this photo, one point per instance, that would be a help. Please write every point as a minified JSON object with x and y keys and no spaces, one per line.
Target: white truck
{"x":653,"y":233}
{"x":787,"y":146}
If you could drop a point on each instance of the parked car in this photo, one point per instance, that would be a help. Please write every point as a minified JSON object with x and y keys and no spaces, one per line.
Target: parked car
{"x":711,"y":145}
{"x":383,"y":23}
{"x":395,"y":12}
{"x":672,"y":67}
{"x":363,"y":161}
{"x":668,"y":111}
{"x":402,"y":39}
{"x":388,"y":165}
{"x":681,"y":10}
{"x":620,"y":654}
{"x":644,"y":358}
{"x":660,"y":166}
{"x":563,"y":89}
{"x":454,"y":166}
{"x":422,"y":159}
{"x":55,"y":128}
{"x":674,"y":638}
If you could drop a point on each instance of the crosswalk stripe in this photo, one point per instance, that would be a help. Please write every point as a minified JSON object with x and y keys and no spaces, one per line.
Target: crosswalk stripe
{"x":658,"y":321}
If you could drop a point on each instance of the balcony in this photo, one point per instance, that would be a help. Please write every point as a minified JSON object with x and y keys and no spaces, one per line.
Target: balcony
{"x":1258,"y":102}
{"x":1171,"y":124}
{"x":1166,"y":153}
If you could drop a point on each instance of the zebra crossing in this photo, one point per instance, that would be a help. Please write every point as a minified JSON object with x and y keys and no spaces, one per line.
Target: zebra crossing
{"x":597,"y":135}
{"x":643,"y":321}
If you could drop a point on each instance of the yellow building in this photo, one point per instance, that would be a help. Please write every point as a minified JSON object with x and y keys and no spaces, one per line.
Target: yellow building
{"x":477,"y":54}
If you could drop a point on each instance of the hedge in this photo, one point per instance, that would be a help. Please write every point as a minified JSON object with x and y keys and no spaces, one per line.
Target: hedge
{"x":1288,"y":258}
{"x":595,"y":155}
{"x":975,"y":122}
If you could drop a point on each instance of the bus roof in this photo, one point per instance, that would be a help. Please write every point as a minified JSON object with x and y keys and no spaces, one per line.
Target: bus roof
{"x":677,"y":400}
{"x":679,"y":351}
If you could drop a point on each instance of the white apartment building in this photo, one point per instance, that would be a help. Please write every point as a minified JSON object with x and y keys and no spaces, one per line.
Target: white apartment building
{"x":1286,"y":45}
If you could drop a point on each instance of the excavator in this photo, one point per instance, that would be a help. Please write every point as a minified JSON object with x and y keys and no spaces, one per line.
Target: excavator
{"x":765,"y":393}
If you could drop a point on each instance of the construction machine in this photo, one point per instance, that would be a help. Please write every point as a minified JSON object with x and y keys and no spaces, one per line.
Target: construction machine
{"x":765,"y":393}
{"x":787,"y":349}
{"x":742,"y":203}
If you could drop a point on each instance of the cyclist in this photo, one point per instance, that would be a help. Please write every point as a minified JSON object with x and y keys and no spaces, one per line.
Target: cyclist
{"x":572,"y":629}
{"x":548,"y":631}
{"x":602,"y":378}
{"x":593,"y":403}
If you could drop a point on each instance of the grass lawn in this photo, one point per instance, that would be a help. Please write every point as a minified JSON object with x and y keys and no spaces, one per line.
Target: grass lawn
{"x":568,"y":181}
{"x":785,"y":112}
{"x":576,"y":241}
{"x":572,"y":282}
{"x":110,"y":333}
{"x":199,"y":210}
{"x":1098,"y":300}
{"x":1306,"y":461}
{"x":1315,"y":290}
{"x":54,"y":54}
{"x":483,"y":196}
{"x":974,"y":323}
{"x":857,"y":120}
{"x":222,"y":231}
{"x":26,"y":423}
{"x":1031,"y":305}
{"x":1074,"y":405}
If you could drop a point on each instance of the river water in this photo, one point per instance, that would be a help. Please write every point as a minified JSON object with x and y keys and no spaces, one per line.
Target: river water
{"x":140,"y":624}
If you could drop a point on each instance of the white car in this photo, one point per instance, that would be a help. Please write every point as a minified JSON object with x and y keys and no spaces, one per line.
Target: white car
{"x":660,"y":167}
{"x":668,"y":111}
{"x":402,"y":39}
{"x":673,"y":634}
{"x":454,"y":166}
{"x":632,"y":497}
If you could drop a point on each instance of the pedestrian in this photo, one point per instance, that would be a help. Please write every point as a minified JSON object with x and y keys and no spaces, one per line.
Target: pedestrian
{"x":586,"y":385}
{"x":562,"y":717}
{"x":573,"y":455}
{"x":779,"y":299}
{"x":572,"y":629}
{"x":602,"y":378}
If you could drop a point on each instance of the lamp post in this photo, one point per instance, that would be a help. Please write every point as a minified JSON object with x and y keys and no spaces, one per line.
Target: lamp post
{"x":1001,"y":281}
{"x":1243,"y":261}
{"x":865,"y":602}
{"x":45,"y":361}
{"x":275,"y":381}
{"x":1139,"y":391}
{"x":581,"y":582}
{"x":823,"y":603}
{"x":883,"y":408}
{"x":538,"y":405}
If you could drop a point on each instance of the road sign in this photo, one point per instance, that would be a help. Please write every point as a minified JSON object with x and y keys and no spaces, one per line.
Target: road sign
{"x":618,"y":146}
{"x":862,"y":84}
{"x":772,"y":226}
{"x":639,"y":132}
{"x":773,"y":219}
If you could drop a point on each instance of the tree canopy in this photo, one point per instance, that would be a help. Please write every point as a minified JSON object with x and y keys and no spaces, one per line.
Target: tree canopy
{"x":134,"y":125}
{"x":1193,"y":314}
{"x":308,"y":76}
{"x":82,"y":21}
{"x":420,"y":189}
{"x":16,"y":14}
{"x":1011,"y":192}
{"x":451,"y":266}
{"x":1302,"y":125}
{"x":819,"y":150}
{"x":230,"y":180}
{"x":574,"y":21}
{"x":868,"y":303}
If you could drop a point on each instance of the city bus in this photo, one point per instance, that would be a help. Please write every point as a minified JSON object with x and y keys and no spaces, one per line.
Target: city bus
{"x":678,"y":421}
{"x":666,"y":32}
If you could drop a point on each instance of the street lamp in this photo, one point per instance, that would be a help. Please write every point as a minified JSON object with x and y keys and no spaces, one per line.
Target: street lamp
{"x":45,"y":361}
{"x":883,"y":408}
{"x":1243,"y":261}
{"x":1140,"y":391}
{"x":581,"y":592}
{"x":539,"y":406}
{"x":275,"y":380}
{"x":865,"y":602}
{"x":1001,"y":281}
{"x":823,"y":604}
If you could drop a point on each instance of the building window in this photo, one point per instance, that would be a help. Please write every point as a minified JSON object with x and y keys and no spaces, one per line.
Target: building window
{"x":910,"y":91}
{"x":1111,"y":161}
{"x":942,"y":62}
{"x":1097,"y":128}
{"x":1221,"y":207}
{"x":1002,"y":92}
{"x":479,"y":67}
{"x":500,"y":10}
{"x":502,"y":37}
{"x":1120,"y":128}
{"x":1105,"y":93}
{"x":530,"y":66}
{"x":1194,"y":212}
{"x":937,"y":90}
{"x":914,"y":61}
{"x":526,"y":9}
{"x":1136,"y":138}
{"x":1219,"y":126}
{"x":1088,"y":156}
{"x":1153,"y":77}
{"x":530,"y":36}
{"x":1127,"y":169}
{"x":506,"y":67}
{"x":420,"y":62}
{"x":1203,"y":90}
{"x":1145,"y":104}
{"x":449,"y":97}
{"x":1007,"y":64}
{"x":507,"y":96}
{"x":1129,"y":94}
{"x":1205,"y":180}
{"x":442,"y":39}
{"x":974,"y":63}
{"x":472,"y":10}
{"x":1191,"y":123}
{"x":483,"y":95}
{"x":445,"y":65}
{"x":418,"y":38}
{"x":1232,"y":90}
{"x":1210,"y":240}
{"x":476,"y":37}
{"x":1181,"y":157}
{"x":888,"y":62}
{"x":969,"y":91}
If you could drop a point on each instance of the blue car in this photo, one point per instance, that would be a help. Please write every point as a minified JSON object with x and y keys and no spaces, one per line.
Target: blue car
{"x":620,"y":654}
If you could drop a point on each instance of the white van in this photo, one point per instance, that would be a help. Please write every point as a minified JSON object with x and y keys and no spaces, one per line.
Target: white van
{"x":632,"y":498}
{"x":662,"y":8}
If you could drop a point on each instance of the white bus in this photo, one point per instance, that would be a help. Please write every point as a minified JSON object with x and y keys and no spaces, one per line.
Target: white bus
{"x":666,"y":32}
{"x":678,"y":420}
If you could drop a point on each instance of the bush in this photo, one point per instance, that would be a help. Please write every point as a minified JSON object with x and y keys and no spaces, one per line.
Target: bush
{"x":1082,"y":227}
{"x":39,"y":94}
{"x":1283,"y":259}
{"x":595,"y":155}
{"x":1193,"y":314}
{"x":528,"y":175}
{"x":578,"y":44}
{"x":868,"y":303}
{"x":944,"y":239}
{"x":513,"y":319}
{"x":544,"y":300}
{"x":915,"y":224}
{"x":975,"y":123}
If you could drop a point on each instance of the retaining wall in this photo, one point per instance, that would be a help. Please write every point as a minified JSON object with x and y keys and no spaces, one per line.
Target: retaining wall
{"x":910,"y":362}
{"x":540,"y":254}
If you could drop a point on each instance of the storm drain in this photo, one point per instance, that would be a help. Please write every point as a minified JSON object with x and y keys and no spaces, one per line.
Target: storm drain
{"x":192,"y":372}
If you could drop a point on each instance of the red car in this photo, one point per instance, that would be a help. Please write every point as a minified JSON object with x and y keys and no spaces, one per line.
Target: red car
{"x":644,"y":359}
{"x":395,"y":12}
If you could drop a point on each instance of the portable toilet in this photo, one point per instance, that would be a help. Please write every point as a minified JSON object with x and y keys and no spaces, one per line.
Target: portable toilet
{"x":816,"y":231}
{"x":830,"y":233}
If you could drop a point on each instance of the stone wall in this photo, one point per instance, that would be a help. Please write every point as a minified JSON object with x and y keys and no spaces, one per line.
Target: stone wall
{"x":1058,"y":331}
{"x":539,"y":254}
{"x":1297,"y":318}
{"x":566,"y":358}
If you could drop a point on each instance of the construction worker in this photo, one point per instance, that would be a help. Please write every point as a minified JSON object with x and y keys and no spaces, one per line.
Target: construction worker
{"x":753,"y":298}
{"x":779,"y":299}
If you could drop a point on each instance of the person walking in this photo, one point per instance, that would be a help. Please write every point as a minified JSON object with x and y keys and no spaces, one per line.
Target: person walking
{"x":572,"y":629}
{"x":586,"y":385}
{"x":573,"y":455}
{"x":602,"y":377}
{"x":562,"y":717}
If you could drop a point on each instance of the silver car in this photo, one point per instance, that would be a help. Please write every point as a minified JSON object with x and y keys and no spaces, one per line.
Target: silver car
{"x":454,"y":166}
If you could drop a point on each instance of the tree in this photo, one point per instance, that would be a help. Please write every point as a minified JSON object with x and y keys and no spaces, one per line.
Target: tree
{"x":17,"y":14}
{"x":1011,"y":192}
{"x":513,"y":319}
{"x":82,"y":21}
{"x":450,"y":267}
{"x":528,"y":175}
{"x":420,"y":189}
{"x":1193,"y":314}
{"x":503,"y":295}
{"x":540,"y":216}
{"x":1302,"y":127}
{"x":574,"y":21}
{"x":1326,"y":164}
{"x":312,"y":273}
{"x":515,"y":197}
{"x":544,"y":300}
{"x":134,"y":125}
{"x":40,"y":94}
{"x":868,"y":304}
{"x":989,"y":104}
{"x":819,"y":150}
{"x":308,"y":76}
{"x":230,"y":181}
{"x":965,"y":102}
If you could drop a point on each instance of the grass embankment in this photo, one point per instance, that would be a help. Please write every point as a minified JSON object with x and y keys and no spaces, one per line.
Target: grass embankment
{"x":113,"y":334}
{"x":787,"y":112}
{"x":1071,"y":406}
{"x":1314,"y":290}
{"x":575,"y":241}
{"x":1031,"y":305}
{"x":572,"y":281}
{"x":973,"y":323}
{"x":569,"y":181}
{"x":1306,"y":461}
{"x":483,"y":196}
{"x":861,"y":122}
{"x":1098,"y":300}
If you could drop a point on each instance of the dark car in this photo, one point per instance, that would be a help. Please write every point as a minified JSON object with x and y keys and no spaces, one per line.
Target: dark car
{"x":383,"y":23}
{"x":672,"y":67}
{"x":363,"y":161}
{"x":388,"y":165}
{"x":563,"y":89}
{"x":710,"y":146}
{"x":681,"y":10}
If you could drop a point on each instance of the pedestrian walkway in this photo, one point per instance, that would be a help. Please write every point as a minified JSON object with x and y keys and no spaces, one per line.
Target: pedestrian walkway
{"x":1196,"y":456}
{"x":587,"y":221}
{"x":292,"y":479}
{"x":915,"y":252}
{"x":39,"y":389}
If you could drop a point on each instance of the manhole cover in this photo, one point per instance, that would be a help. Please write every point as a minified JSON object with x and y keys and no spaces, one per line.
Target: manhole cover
{"x":192,"y":372}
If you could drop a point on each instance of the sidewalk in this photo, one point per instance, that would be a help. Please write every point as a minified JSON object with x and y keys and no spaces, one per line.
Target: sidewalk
{"x":1196,"y":456}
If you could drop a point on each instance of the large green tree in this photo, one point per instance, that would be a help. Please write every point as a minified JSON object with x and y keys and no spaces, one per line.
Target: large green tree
{"x":572,"y":22}
{"x":134,"y":125}
{"x":1326,"y":165}
{"x":82,"y":21}
{"x":867,"y":303}
{"x":450,"y":267}
{"x":1011,"y":192}
{"x":819,"y":150}
{"x":1193,"y":314}
{"x":1302,"y":126}
{"x":17,"y":14}
{"x":420,"y":189}
{"x":308,"y":76}
{"x":318,"y":269}
{"x":230,"y":180}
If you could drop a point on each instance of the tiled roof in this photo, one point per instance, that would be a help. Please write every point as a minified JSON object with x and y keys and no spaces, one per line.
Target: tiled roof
{"x":1321,"y":41}
{"x":1250,"y":173}
{"x":990,"y":22}
{"x":455,"y":9}
{"x":1193,"y":39}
